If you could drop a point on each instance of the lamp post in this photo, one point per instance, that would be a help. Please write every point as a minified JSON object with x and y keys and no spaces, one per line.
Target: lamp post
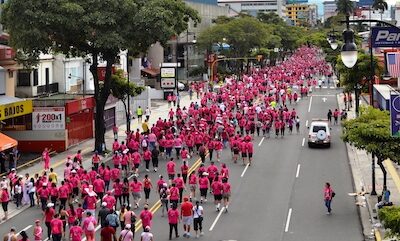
{"x":128,"y":121}
{"x":332,"y":39}
{"x":187,"y":52}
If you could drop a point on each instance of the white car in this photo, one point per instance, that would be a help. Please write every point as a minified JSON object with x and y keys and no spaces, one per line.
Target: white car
{"x":181,"y":86}
{"x":319,"y":133}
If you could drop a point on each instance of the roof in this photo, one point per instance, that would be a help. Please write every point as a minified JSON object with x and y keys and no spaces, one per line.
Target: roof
{"x":384,"y":90}
{"x":4,"y":100}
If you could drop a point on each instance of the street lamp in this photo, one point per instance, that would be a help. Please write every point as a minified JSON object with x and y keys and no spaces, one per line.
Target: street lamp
{"x":349,"y":49}
{"x":332,"y":39}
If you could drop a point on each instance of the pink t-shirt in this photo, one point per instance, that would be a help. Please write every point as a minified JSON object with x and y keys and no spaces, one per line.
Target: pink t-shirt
{"x":98,"y":185}
{"x":37,"y":233}
{"x":76,"y":233}
{"x":203,"y":182}
{"x":91,"y":202}
{"x":217,"y":187}
{"x":146,"y":216}
{"x":136,"y":157}
{"x":56,"y":226}
{"x":174,"y":193}
{"x":86,"y":223}
{"x":126,"y":235}
{"x":173,"y":216}
{"x":171,"y":167}
{"x":136,"y":187}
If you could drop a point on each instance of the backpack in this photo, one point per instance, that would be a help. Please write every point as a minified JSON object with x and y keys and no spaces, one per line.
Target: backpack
{"x":144,"y":143}
{"x":90,"y":226}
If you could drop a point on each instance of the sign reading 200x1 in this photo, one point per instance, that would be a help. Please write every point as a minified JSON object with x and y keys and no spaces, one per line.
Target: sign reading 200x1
{"x":15,"y":109}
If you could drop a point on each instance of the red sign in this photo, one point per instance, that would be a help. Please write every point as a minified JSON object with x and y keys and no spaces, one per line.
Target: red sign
{"x":101,"y":72}
{"x":78,"y":105}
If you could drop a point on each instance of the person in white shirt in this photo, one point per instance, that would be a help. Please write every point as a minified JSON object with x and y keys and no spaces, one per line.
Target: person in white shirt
{"x":147,"y":113}
{"x":146,"y":235}
{"x":198,"y":219}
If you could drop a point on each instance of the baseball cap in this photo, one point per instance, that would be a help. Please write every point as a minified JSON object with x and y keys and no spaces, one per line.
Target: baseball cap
{"x":103,"y":204}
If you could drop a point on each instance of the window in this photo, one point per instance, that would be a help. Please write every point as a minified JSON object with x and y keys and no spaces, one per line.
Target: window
{"x":24,"y":78}
{"x":35,"y":77}
{"x":318,"y":128}
{"x":47,"y":73}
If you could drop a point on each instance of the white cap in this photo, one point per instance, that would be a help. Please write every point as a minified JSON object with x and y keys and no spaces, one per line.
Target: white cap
{"x":49,"y":205}
{"x":103,"y":204}
{"x":128,"y":226}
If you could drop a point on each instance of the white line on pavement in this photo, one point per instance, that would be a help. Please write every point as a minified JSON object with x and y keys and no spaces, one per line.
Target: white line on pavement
{"x":309,"y":105}
{"x":28,"y":227}
{"x":306,"y":123}
{"x":298,"y":170}
{"x":245,"y":169}
{"x":216,"y":219}
{"x":304,"y":140}
{"x":259,"y":144}
{"x":289,"y":215}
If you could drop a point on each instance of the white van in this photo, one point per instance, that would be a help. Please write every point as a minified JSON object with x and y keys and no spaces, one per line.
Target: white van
{"x":319,"y":133}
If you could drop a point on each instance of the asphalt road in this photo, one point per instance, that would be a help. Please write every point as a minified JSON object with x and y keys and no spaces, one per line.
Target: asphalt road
{"x":279,"y":197}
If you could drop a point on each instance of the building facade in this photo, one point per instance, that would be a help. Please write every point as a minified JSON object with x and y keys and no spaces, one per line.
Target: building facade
{"x":302,"y":14}
{"x":329,"y":9}
{"x":252,"y":7}
{"x":212,"y":2}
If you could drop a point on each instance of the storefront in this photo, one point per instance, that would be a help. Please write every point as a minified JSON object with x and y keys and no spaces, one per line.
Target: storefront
{"x":110,"y":112}
{"x":79,"y":120}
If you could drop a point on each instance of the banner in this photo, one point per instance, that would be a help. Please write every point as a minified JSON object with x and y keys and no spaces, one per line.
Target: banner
{"x":15,"y":109}
{"x":48,"y":118}
{"x":385,"y":37}
{"x":395,"y":115}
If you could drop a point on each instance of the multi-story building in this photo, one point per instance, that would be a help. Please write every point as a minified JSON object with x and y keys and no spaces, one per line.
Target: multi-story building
{"x":329,"y":9}
{"x":252,"y":7}
{"x":302,"y":14}
{"x":213,"y":2}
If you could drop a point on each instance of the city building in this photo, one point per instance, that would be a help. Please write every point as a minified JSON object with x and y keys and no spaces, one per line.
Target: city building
{"x":302,"y":14}
{"x":397,"y":13}
{"x":329,"y":9}
{"x":367,"y":12}
{"x":296,"y":1}
{"x":213,"y":2}
{"x":252,"y":7}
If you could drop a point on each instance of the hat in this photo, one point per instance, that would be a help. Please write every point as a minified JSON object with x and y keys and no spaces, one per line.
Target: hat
{"x":125,"y":151}
{"x":165,"y":184}
{"x":44,"y":184}
{"x":128,"y":226}
{"x":49,"y":205}
{"x":90,"y":191}
{"x":13,"y":169}
{"x":37,"y":221}
{"x":103,"y":204}
{"x":4,"y":177}
{"x":147,"y":228}
{"x":73,"y":171}
{"x":205,"y":173}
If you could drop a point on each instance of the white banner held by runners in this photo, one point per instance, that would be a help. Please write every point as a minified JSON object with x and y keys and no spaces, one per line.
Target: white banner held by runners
{"x":48,"y":118}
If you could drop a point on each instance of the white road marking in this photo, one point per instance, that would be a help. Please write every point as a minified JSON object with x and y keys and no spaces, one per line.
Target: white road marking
{"x":259,"y":144}
{"x":27,"y":227}
{"x":304,"y":140}
{"x":324,"y":87}
{"x":289,"y":215}
{"x":216,"y":219}
{"x":324,"y":99}
{"x":328,"y":95}
{"x":245,"y":169}
{"x":306,"y":123}
{"x":309,"y":105}
{"x":298,"y":170}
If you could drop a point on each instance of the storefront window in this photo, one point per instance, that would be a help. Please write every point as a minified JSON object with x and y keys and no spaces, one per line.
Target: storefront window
{"x":20,"y":123}
{"x":24,"y":78}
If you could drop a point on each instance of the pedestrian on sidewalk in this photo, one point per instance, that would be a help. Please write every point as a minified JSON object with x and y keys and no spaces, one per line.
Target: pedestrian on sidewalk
{"x":147,"y":113}
{"x":139,"y":113}
{"x":4,"y":199}
{"x":328,"y":195}
{"x":115,"y":132}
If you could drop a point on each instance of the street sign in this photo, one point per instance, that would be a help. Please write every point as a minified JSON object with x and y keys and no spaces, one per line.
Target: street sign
{"x":168,"y":83}
{"x":395,"y":115}
{"x":385,"y":37}
{"x":167,"y":72}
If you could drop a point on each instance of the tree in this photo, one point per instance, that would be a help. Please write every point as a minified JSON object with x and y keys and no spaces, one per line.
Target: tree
{"x":345,"y":7}
{"x":122,"y":90}
{"x":270,"y":18}
{"x":380,"y":5}
{"x":96,"y":28}
{"x":390,"y":217}
{"x":371,"y":132}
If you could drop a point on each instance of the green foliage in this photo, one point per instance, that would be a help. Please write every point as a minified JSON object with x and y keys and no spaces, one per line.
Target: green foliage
{"x":390,"y":217}
{"x":334,"y":21}
{"x":371,"y":132}
{"x":121,"y":88}
{"x":350,"y":77}
{"x":198,"y":71}
{"x":270,"y":18}
{"x":345,"y":7}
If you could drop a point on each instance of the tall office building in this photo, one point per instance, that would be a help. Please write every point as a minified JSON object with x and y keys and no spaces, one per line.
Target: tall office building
{"x":252,"y":7}
{"x":302,"y":14}
{"x":329,"y":9}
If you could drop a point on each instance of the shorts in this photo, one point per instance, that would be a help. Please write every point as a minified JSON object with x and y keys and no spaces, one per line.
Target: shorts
{"x":217,"y":197}
{"x":236,"y":152}
{"x":226,"y":196}
{"x":171,"y":176}
{"x":250,"y":155}
{"x":193,"y":187}
{"x":187,"y":220}
{"x":203,"y":192}
{"x":244,"y":154}
{"x":4,"y":205}
{"x":124,"y":167}
{"x":136,"y":195}
{"x":136,"y":165}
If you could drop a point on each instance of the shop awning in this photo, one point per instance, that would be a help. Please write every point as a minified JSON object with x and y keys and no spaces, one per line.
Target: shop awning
{"x":7,"y":142}
{"x":151,"y":72}
{"x":11,"y":107}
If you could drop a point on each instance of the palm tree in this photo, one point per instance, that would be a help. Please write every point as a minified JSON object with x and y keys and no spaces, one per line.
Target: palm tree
{"x":345,"y":6}
{"x":380,"y":5}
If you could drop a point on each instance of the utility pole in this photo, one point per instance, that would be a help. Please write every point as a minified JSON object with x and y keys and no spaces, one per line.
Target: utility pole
{"x":128,"y":121}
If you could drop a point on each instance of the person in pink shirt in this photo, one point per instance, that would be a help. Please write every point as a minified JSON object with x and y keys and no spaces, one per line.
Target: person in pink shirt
{"x":110,"y":200}
{"x":99,"y":186}
{"x":212,"y":171}
{"x":174,"y":194}
{"x":115,"y":146}
{"x":250,"y":149}
{"x":75,"y":232}
{"x":184,"y":154}
{"x":89,"y":226}
{"x":226,"y":192}
{"x":146,"y":216}
{"x":48,"y":217}
{"x":125,"y":159}
{"x":184,"y":170}
{"x":136,"y":158}
{"x":179,"y":183}
{"x":46,"y":159}
{"x":173,"y":218}
{"x":116,"y":159}
{"x":57,"y":229}
{"x":37,"y":231}
{"x":192,"y":185}
{"x":117,"y":186}
{"x":217,"y":189}
{"x":171,"y":169}
{"x":4,"y":199}
{"x":115,"y":174}
{"x":136,"y":189}
{"x":203,"y":184}
{"x":147,"y":158}
{"x":178,"y":146}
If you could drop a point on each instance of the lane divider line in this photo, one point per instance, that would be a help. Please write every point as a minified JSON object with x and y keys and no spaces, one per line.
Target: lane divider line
{"x":216,"y":219}
{"x":259,"y":144}
{"x":28,"y":227}
{"x":289,"y":215}
{"x":303,"y":141}
{"x":245,"y":169}
{"x":306,"y":123}
{"x":309,"y":105}
{"x":298,"y":171}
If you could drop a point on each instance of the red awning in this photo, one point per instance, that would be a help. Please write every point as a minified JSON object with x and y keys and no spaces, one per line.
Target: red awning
{"x":7,"y":142}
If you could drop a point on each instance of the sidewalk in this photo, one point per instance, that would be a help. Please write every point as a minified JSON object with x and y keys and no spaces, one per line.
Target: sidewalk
{"x":360,"y":163}
{"x":57,"y":161}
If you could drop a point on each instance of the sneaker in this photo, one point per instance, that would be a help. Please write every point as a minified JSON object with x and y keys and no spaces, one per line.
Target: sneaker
{"x":328,"y":213}
{"x":205,"y":200}
{"x":201,"y":233}
{"x":147,"y":170}
{"x":197,"y":236}
{"x":184,"y":235}
{"x":188,"y":235}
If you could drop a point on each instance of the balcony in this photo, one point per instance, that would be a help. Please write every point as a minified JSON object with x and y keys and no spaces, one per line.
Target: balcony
{"x":34,"y":91}
{"x":43,"y":89}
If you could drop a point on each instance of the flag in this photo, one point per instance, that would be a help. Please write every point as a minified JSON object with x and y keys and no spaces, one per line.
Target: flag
{"x":393,"y":64}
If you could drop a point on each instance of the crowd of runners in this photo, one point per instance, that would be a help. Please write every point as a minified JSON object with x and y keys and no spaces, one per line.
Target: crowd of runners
{"x":116,"y":195}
